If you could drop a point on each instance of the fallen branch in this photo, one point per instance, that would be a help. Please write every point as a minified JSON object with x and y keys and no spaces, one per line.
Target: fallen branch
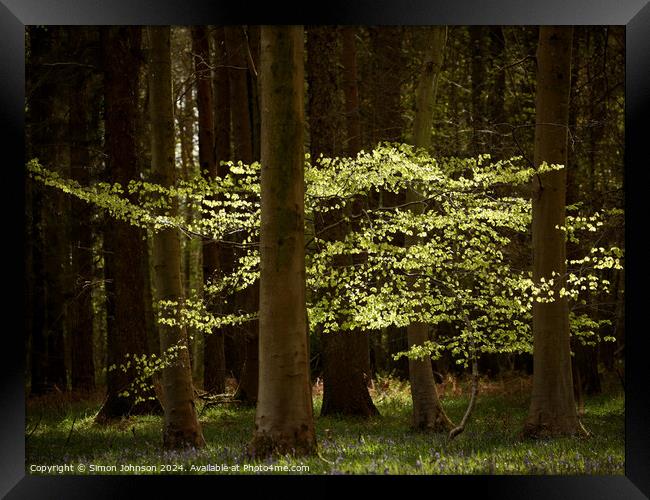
{"x":211,"y":400}
{"x":472,"y":400}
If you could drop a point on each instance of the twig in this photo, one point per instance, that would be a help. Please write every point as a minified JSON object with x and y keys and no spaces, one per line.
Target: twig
{"x":250,"y":56}
{"x":461,"y":427}
{"x":516,"y":63}
{"x":71,"y":429}
{"x":324,"y":459}
{"x":35,"y":427}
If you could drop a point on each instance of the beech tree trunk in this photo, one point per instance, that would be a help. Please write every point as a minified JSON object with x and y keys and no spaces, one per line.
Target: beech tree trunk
{"x":182,"y":427}
{"x":427,"y":411}
{"x":552,"y":409}
{"x":284,"y":417}
{"x":123,"y":243}
{"x":346,"y":362}
{"x":214,"y":361}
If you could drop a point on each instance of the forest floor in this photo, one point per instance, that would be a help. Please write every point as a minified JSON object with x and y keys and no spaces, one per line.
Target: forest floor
{"x":60,"y":430}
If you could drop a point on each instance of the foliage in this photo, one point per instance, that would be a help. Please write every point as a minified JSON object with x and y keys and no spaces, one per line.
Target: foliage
{"x":458,"y":268}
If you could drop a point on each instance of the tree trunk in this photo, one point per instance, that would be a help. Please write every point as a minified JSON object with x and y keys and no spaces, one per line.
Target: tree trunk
{"x":38,"y":132}
{"x":477,"y":34}
{"x":253,"y":39}
{"x":214,"y":362}
{"x":182,"y":427}
{"x":496,"y":104}
{"x":55,"y":155}
{"x":552,"y":410}
{"x":346,"y":361}
{"x":191,"y":253}
{"x":284,"y":417}
{"x":352,"y":148}
{"x":351,"y":91}
{"x":242,"y":134}
{"x":153,"y":335}
{"x":233,"y":347}
{"x":387,"y":124}
{"x":427,"y":411}
{"x":81,"y":308}
{"x":123,"y":243}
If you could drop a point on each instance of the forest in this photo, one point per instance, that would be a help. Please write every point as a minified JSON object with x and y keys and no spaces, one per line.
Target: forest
{"x":324,"y":249}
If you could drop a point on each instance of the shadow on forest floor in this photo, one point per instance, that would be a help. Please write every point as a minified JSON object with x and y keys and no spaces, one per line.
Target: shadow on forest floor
{"x":60,"y":430}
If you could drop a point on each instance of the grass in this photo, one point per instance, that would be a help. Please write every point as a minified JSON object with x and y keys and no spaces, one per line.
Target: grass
{"x":60,"y":430}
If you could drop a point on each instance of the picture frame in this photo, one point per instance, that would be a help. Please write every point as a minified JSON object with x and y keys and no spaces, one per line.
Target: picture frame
{"x":634,"y":14}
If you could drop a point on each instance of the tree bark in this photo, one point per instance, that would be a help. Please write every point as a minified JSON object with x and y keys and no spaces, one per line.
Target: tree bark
{"x":40,"y":91}
{"x":55,"y":219}
{"x":284,"y":416}
{"x":346,"y":362}
{"x":386,"y":123}
{"x":233,"y":347}
{"x":82,"y":364}
{"x":496,"y":106}
{"x":351,"y":91}
{"x":242,"y":135}
{"x":552,"y":409}
{"x":214,"y":362}
{"x":477,"y":35}
{"x":182,"y":428}
{"x":427,"y":411}
{"x":123,"y":243}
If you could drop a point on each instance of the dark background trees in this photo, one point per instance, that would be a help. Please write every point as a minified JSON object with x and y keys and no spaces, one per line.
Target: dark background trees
{"x":92,"y":283}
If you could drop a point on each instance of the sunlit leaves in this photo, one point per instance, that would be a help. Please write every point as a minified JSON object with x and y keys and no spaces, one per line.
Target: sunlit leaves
{"x":459,"y":268}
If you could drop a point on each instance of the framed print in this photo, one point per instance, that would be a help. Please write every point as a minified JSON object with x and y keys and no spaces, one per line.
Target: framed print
{"x":422,"y":148}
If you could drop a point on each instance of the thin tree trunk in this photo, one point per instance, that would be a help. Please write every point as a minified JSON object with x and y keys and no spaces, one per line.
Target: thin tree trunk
{"x":427,"y":411}
{"x":182,"y":427}
{"x":233,"y":347}
{"x":477,"y":34}
{"x":153,"y":335}
{"x":214,"y":362}
{"x":387,"y":124}
{"x":284,"y":417}
{"x":496,"y":103}
{"x":352,"y":147}
{"x":242,"y":135}
{"x":253,"y":39}
{"x":552,"y":409}
{"x":586,"y":357}
{"x":191,"y":249}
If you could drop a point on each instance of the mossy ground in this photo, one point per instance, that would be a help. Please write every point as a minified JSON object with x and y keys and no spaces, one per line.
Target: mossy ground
{"x":491,"y":443}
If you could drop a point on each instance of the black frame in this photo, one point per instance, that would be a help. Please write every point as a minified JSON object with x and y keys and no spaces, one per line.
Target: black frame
{"x":635,"y":14}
